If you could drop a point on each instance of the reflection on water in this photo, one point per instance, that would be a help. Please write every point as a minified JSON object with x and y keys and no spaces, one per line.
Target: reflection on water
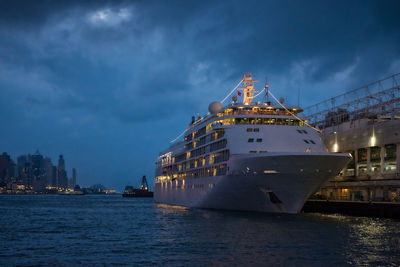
{"x":377,"y":239}
{"x":165,"y":208}
{"x":99,"y":230}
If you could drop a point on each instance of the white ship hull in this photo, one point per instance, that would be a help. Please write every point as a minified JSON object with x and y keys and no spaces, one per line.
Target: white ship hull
{"x":249,"y":156}
{"x":274,"y":182}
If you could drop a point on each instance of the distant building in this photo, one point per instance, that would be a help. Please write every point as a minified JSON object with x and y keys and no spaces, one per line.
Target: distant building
{"x":48,"y":166}
{"x":7,"y":167}
{"x":39,"y":172}
{"x":73,"y":178}
{"x":24,"y":170}
{"x":366,"y":123}
{"x":62,"y":173}
{"x":21,"y":163}
{"x":54,"y":177}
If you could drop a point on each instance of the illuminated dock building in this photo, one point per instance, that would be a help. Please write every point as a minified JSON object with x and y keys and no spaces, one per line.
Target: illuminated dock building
{"x":366,"y":123}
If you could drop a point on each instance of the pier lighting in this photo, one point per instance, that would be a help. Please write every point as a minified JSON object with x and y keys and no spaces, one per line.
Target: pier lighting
{"x":335,"y":147}
{"x":372,"y":141}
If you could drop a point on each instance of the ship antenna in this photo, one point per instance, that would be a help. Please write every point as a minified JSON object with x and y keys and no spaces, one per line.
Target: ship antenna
{"x":266,"y":88}
{"x":248,"y":89}
{"x":144,"y":185}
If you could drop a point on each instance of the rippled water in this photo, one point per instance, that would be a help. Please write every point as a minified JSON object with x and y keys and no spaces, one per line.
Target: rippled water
{"x":111,"y":230}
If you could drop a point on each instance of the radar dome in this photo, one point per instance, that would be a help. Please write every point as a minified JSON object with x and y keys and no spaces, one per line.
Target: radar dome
{"x":214,"y":107}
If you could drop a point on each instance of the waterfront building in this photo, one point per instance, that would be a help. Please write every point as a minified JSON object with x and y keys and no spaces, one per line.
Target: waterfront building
{"x":48,"y":166}
{"x":366,"y":123}
{"x":73,"y":183}
{"x":62,"y":179}
{"x":54,"y":176}
{"x":7,"y":169}
{"x":24,"y":167}
{"x":22,"y":161}
{"x":39,"y":172}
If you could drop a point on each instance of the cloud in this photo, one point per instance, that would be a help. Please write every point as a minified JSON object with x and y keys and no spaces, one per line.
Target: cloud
{"x":108,"y":17}
{"x":129,"y":75}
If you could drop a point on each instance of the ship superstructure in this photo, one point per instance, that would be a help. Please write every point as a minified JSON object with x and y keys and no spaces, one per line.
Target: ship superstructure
{"x":246,"y":156}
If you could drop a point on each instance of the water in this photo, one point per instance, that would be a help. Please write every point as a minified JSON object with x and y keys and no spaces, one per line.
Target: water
{"x":110,"y":230}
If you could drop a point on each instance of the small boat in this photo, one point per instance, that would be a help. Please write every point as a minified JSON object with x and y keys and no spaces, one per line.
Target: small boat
{"x":70,"y":193}
{"x":142,"y":191}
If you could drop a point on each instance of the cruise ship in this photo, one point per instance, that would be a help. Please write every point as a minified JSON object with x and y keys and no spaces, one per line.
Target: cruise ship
{"x":248,"y":156}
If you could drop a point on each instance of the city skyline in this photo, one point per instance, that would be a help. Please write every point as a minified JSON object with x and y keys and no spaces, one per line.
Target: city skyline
{"x":34,"y":172}
{"x":110,"y":84}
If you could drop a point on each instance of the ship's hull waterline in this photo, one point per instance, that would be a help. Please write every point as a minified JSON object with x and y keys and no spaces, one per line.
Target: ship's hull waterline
{"x":276,"y":182}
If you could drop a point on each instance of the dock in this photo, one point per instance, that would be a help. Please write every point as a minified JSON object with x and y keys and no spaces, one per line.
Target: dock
{"x":364,"y":122}
{"x":354,"y":208}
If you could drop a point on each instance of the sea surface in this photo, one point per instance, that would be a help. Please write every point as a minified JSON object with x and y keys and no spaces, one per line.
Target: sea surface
{"x":99,"y":230}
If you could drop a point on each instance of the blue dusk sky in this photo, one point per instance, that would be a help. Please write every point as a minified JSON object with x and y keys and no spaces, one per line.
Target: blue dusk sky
{"x":109,"y":84}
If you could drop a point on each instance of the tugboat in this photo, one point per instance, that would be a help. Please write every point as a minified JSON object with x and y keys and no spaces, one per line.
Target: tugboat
{"x":143,"y":191}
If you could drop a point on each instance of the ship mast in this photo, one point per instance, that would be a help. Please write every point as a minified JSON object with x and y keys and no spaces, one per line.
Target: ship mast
{"x":144,"y":185}
{"x":248,"y":89}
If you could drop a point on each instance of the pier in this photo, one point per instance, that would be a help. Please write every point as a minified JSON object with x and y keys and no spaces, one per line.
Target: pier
{"x":354,"y":208}
{"x":366,"y":123}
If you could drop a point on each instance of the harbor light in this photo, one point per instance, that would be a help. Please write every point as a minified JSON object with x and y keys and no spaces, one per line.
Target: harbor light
{"x":372,"y":141}
{"x":335,"y":147}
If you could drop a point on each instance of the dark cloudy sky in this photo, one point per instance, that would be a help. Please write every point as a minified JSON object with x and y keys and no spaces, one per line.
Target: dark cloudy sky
{"x":110,"y":83}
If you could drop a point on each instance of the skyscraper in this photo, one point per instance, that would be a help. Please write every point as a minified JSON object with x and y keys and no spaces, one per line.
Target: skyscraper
{"x":24,"y":167}
{"x":61,"y":173}
{"x":5,"y":162}
{"x":48,"y":166}
{"x":54,"y":177}
{"x":73,"y":178}
{"x":39,"y":172}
